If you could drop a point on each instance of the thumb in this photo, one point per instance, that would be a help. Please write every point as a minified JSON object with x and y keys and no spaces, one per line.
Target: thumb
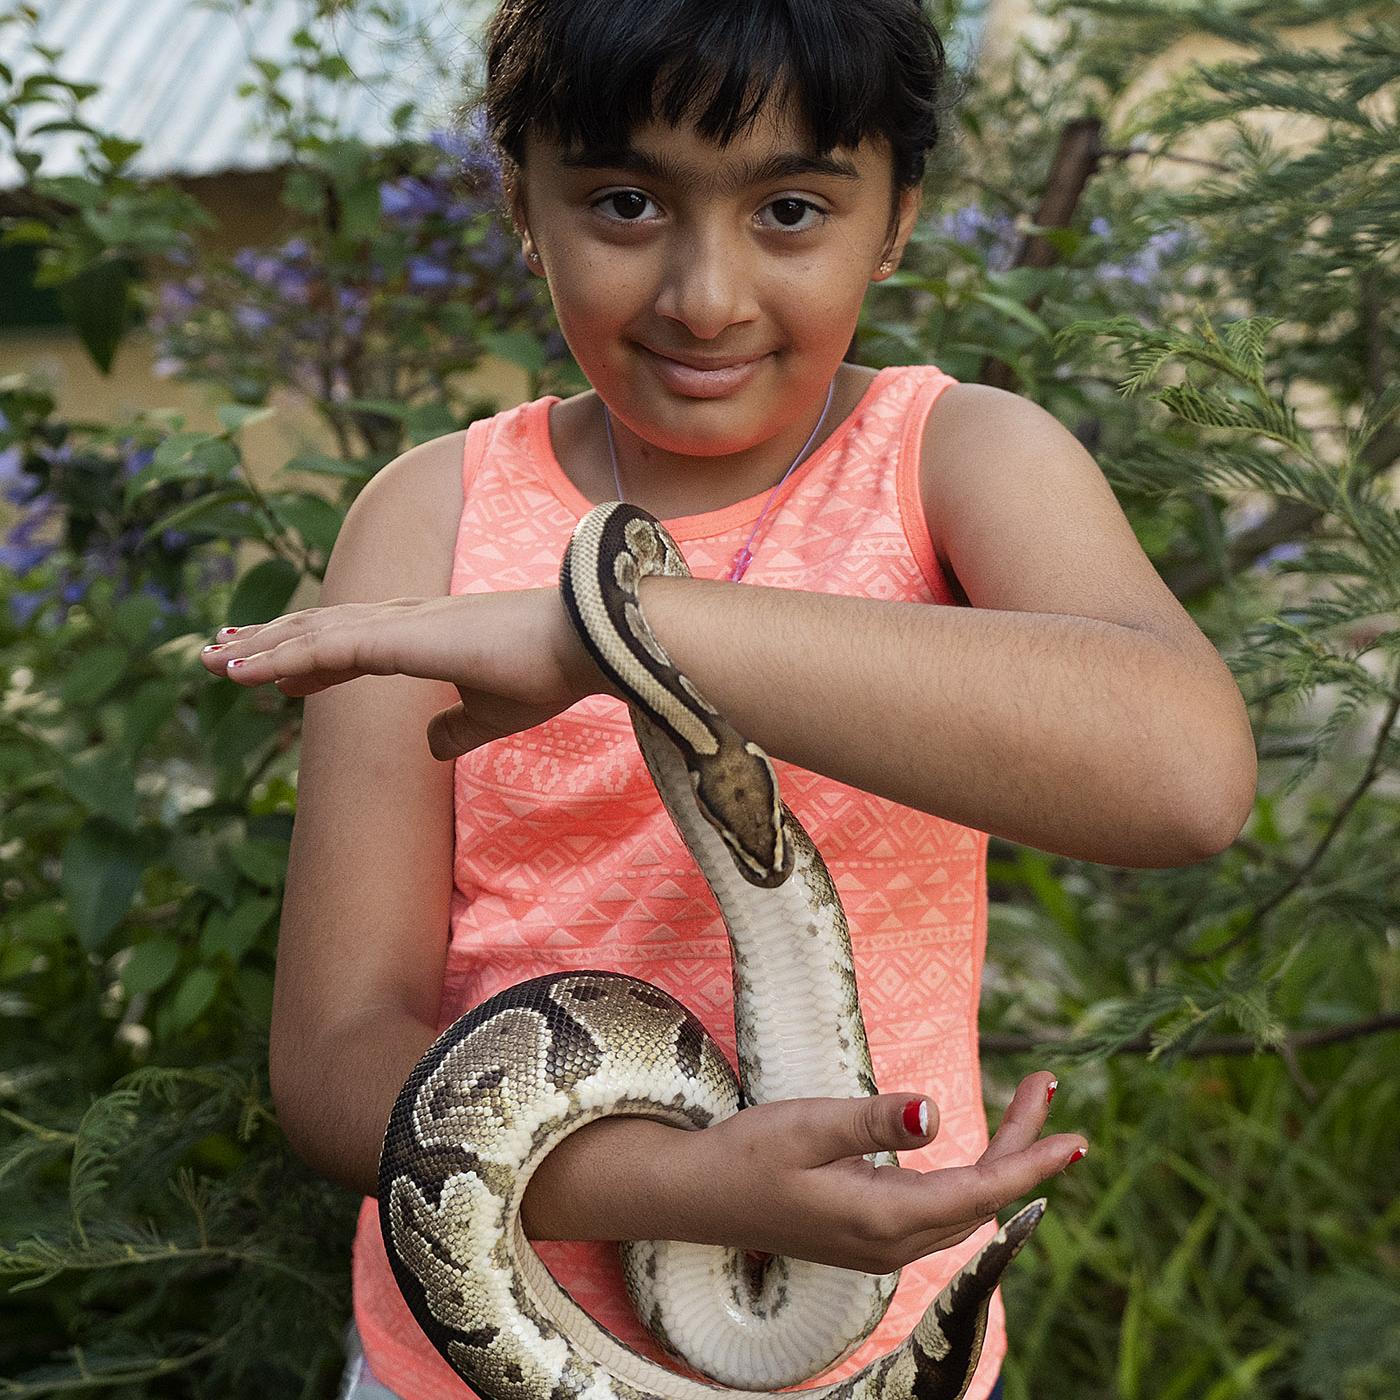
{"x":880,"y":1123}
{"x":451,"y":733}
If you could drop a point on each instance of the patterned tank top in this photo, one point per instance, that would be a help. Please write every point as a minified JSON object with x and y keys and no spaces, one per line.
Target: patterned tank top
{"x":564,"y":857}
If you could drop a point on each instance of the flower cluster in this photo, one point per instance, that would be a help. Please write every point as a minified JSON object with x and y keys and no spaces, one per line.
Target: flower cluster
{"x":68,"y":500}
{"x":439,"y":273}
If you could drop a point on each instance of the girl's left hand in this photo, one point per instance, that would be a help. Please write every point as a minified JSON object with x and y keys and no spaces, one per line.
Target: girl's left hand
{"x":513,"y":656}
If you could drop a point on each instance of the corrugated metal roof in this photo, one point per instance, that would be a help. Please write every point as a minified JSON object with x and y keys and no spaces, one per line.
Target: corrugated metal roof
{"x":169,"y":70}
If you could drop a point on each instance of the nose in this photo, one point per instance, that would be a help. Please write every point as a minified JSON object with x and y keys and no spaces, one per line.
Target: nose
{"x":707,"y":285}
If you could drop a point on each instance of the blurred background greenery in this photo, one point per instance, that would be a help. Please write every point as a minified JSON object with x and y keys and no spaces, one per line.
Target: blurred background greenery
{"x":1175,"y":227}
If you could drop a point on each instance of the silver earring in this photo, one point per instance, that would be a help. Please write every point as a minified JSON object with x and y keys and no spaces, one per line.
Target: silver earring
{"x":532,"y":257}
{"x":885,"y":266}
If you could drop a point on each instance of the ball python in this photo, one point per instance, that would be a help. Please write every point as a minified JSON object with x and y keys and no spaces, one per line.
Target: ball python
{"x":510,"y":1079}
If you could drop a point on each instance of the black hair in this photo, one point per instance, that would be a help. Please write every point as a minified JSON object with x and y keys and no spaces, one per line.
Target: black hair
{"x":590,"y":71}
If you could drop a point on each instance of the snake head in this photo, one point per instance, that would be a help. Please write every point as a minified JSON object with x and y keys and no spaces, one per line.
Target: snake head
{"x":737,"y":791}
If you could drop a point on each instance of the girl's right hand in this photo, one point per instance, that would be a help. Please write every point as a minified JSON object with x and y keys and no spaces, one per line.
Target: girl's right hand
{"x":790,"y":1178}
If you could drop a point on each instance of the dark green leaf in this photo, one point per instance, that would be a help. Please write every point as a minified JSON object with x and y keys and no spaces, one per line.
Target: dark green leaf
{"x":313,"y":517}
{"x":233,"y":931}
{"x":150,"y":965}
{"x":102,"y":867}
{"x":195,"y":993}
{"x":263,"y":862}
{"x":94,"y":673}
{"x":263,"y":592}
{"x":96,"y":303}
{"x":102,"y":782}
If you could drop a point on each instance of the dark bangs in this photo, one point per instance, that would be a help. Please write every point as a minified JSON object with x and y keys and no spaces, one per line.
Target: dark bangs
{"x":590,"y":72}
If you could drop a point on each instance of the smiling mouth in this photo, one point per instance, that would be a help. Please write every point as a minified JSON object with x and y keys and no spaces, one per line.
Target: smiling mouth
{"x":705,"y":366}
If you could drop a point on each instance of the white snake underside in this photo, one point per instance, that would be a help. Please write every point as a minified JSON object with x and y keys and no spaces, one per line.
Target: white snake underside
{"x":508,"y":1081}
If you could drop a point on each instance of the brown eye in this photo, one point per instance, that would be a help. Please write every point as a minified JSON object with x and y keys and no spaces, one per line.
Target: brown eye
{"x":789,"y":214}
{"x":627,"y":204}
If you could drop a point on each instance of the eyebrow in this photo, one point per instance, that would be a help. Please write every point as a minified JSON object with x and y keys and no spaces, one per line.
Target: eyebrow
{"x":655,"y":167}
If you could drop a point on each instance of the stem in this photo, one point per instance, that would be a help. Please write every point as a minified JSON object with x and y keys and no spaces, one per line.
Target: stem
{"x":1339,"y":817}
{"x":998,"y":1043}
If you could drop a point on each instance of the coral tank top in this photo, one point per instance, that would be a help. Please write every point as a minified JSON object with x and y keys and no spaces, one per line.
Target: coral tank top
{"x":564,"y":857}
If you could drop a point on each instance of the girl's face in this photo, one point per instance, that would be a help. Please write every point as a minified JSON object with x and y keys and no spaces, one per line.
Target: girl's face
{"x":710,"y":293}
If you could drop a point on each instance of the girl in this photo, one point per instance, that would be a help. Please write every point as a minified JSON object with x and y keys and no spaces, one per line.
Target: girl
{"x":945,"y":628}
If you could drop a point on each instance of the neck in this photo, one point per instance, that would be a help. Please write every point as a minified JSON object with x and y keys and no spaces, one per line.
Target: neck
{"x":672,"y":484}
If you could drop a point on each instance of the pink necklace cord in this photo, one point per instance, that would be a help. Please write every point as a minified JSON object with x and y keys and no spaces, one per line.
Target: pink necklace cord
{"x":745,"y":555}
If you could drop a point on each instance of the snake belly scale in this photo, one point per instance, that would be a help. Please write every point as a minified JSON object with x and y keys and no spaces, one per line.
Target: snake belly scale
{"x":509,"y":1080}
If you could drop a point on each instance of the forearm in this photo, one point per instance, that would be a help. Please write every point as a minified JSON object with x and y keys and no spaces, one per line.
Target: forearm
{"x":603,"y":1182}
{"x":614,"y":1179}
{"x":1071,"y":734}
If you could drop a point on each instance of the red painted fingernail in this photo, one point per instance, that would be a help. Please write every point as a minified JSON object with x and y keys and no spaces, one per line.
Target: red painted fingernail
{"x":226,"y":631}
{"x":1050,"y":1092}
{"x":239,"y":661}
{"x":1077,"y":1154}
{"x":218,"y":646}
{"x":916,"y":1118}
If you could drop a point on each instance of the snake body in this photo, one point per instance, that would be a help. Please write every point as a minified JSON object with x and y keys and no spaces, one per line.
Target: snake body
{"x":509,"y":1080}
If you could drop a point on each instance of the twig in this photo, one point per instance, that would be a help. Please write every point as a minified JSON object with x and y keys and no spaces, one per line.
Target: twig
{"x":1076,"y":159}
{"x":1344,"y":810}
{"x":1007,"y":1043}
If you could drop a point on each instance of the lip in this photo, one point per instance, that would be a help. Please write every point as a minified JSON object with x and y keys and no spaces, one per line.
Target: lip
{"x":704,"y":379}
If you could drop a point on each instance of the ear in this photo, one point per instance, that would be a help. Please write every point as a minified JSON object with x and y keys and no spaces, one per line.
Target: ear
{"x":513,"y":187}
{"x":910,"y":202}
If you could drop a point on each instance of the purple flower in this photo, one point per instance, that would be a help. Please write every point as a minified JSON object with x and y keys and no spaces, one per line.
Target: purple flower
{"x":474,"y":155}
{"x":1145,"y":266}
{"x":176,"y":299}
{"x":293,"y":284}
{"x":425,"y":273}
{"x":408,"y":199}
{"x":11,"y":462}
{"x":252,"y":318}
{"x":994,"y":234}
{"x":139,"y":461}
{"x":23,"y":606}
{"x":22,"y":558}
{"x":1284,"y":553}
{"x":1099,"y":227}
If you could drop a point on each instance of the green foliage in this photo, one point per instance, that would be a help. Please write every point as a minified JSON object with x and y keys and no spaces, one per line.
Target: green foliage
{"x":1225,"y":1031}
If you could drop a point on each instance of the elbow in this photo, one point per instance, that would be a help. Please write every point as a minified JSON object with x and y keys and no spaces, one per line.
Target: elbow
{"x":1221,"y":792}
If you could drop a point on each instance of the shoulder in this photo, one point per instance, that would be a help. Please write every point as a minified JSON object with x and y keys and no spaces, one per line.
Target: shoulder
{"x":400,"y":532}
{"x":1022,"y":517}
{"x":980,"y":441}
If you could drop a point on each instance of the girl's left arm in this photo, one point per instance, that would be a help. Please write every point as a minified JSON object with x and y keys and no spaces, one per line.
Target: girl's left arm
{"x":1074,"y":706}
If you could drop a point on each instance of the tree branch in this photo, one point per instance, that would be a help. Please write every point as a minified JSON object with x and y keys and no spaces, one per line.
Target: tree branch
{"x":1339,"y":817}
{"x":1007,"y":1043}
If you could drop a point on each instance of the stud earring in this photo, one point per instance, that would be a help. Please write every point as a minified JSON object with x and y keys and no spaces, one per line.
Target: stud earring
{"x":533,"y":258}
{"x":885,"y":266}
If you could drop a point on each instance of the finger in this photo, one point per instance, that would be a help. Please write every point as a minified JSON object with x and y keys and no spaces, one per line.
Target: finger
{"x":1024,"y":1118}
{"x":452,"y":732}
{"x":343,"y":652}
{"x":954,"y":1197}
{"x":835,"y":1128}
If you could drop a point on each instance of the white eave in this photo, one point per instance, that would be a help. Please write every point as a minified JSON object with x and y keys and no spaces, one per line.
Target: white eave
{"x":168,"y":73}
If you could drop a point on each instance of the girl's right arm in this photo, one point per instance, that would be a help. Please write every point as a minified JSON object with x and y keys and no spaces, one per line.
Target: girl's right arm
{"x":362,"y":942}
{"x":365,"y":919}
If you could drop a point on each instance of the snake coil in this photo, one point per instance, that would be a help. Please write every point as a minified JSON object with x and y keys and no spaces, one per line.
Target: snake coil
{"x":509,"y":1080}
